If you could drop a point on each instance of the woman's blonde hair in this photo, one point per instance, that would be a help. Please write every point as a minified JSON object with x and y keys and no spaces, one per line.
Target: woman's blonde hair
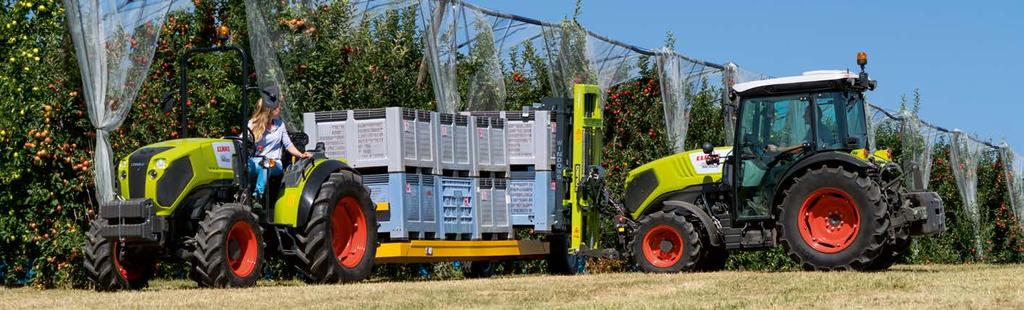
{"x":259,"y":120}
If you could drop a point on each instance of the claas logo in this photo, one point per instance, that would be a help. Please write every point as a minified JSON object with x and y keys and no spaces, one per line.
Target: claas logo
{"x":703,"y":157}
{"x":223,"y":148}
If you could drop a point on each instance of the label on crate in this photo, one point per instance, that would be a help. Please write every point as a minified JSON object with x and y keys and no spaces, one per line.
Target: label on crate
{"x":520,"y":197}
{"x":370,"y":139}
{"x":332,"y":134}
{"x":520,"y":139}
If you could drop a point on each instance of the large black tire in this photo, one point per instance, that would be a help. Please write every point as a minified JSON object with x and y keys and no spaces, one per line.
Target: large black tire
{"x":478,"y":269}
{"x":109,"y":270}
{"x":340,"y":241}
{"x":665,"y":242}
{"x":833,"y":219}
{"x":893,"y":251}
{"x":229,"y":248}
{"x":559,"y":260}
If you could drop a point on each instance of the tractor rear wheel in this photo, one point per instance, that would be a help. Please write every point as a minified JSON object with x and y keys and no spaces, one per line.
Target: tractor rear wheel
{"x":665,"y":242}
{"x":112,"y":268}
{"x":833,"y":219}
{"x":229,"y":248}
{"x":340,"y":241}
{"x":893,"y":250}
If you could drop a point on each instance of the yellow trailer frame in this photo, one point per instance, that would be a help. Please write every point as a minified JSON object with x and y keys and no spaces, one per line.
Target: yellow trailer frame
{"x":429,"y":251}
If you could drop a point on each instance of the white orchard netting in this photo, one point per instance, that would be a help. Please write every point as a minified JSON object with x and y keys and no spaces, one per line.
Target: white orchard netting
{"x":918,"y":141}
{"x":965,"y":154}
{"x":681,"y":79}
{"x":1014,"y":173}
{"x":114,"y":43}
{"x":279,"y":33}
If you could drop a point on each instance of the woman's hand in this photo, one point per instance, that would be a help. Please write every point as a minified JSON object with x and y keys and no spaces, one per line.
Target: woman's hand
{"x":305,"y":155}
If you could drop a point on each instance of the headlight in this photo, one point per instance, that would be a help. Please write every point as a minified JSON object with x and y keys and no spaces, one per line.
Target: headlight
{"x":161,"y":163}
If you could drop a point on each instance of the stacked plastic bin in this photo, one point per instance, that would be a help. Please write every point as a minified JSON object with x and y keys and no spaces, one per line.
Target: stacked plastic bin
{"x":457,"y":199}
{"x":491,"y":172}
{"x":395,"y":149}
{"x":531,"y":155}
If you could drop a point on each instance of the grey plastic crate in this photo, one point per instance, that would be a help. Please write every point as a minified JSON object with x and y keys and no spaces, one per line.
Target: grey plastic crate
{"x":412,"y":205}
{"x":395,"y":138}
{"x":488,"y":139}
{"x":457,"y":196}
{"x":493,"y":220}
{"x":531,"y":138}
{"x":532,"y":199}
{"x":454,"y":133}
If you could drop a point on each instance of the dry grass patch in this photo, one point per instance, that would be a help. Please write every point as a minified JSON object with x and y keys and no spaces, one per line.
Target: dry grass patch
{"x":943,"y":286}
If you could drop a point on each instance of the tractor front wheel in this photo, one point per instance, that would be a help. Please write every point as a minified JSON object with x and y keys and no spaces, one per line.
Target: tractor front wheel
{"x":112,"y":266}
{"x":229,"y":248}
{"x":665,"y":242}
{"x":340,"y":241}
{"x":833,"y":219}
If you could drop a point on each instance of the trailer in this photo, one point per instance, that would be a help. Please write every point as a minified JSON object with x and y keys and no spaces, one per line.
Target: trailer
{"x":457,"y":187}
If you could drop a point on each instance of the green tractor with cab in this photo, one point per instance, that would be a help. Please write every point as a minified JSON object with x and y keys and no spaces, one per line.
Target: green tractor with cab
{"x":799,"y":176}
{"x":192,"y":200}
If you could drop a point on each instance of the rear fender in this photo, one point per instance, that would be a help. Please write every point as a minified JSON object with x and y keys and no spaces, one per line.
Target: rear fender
{"x":295,"y":205}
{"x":831,"y":159}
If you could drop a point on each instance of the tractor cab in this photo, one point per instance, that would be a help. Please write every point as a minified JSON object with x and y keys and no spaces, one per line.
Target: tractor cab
{"x":783,"y":121}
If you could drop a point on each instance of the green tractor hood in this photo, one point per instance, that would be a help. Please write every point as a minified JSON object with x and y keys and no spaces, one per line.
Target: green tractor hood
{"x":669,"y":176}
{"x":166,"y":171}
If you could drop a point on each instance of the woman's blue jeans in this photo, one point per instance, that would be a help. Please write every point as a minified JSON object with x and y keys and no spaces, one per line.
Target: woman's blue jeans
{"x":262,"y":173}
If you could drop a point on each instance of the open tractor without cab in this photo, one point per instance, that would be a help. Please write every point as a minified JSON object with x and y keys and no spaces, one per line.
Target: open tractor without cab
{"x":800,"y":176}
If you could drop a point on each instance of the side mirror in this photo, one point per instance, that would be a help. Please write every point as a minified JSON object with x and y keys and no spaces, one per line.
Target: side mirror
{"x":168,"y":101}
{"x":708,"y":148}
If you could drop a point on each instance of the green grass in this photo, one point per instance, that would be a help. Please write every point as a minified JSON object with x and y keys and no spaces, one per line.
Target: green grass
{"x":936,"y":286}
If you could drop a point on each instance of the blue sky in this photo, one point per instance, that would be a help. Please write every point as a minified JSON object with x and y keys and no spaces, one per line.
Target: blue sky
{"x":963,"y":55}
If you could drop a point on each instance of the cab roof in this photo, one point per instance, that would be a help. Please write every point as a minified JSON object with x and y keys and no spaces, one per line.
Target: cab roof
{"x":808,"y":80}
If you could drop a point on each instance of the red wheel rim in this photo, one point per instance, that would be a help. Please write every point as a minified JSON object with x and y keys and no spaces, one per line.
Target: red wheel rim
{"x":348,"y":227}
{"x":130,"y":273}
{"x":663,"y":246}
{"x":829,"y":220}
{"x":242,"y":250}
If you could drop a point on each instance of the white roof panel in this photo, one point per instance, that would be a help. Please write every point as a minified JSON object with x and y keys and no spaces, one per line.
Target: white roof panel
{"x":810,"y":76}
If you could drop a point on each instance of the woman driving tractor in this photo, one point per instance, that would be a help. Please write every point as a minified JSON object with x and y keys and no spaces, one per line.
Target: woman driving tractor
{"x":271,"y":137}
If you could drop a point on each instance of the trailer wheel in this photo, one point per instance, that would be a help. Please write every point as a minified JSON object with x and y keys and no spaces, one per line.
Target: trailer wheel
{"x":229,"y":248}
{"x":559,"y":260}
{"x":110,"y":269}
{"x":340,"y":241}
{"x":478,"y":269}
{"x":665,"y":242}
{"x":833,"y":219}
